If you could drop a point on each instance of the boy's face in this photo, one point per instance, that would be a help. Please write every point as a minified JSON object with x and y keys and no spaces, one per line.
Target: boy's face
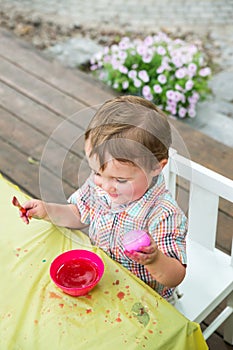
{"x":124,"y":182}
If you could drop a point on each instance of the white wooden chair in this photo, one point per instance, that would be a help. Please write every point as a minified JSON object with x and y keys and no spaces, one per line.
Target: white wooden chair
{"x":209,"y":278}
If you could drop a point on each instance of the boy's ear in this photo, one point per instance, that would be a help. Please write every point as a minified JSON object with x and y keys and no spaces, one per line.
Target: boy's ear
{"x":160,"y":167}
{"x":163,"y":162}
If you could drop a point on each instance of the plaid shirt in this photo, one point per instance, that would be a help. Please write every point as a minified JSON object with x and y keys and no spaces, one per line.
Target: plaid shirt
{"x":156,"y":212}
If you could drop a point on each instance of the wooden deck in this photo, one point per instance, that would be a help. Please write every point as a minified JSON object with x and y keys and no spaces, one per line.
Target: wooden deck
{"x":44,"y":111}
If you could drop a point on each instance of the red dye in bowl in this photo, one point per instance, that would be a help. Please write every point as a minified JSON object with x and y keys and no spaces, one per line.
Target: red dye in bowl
{"x":76,"y":274}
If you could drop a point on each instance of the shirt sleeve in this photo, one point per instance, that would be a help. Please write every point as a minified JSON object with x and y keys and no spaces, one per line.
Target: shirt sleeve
{"x":81,"y":198}
{"x":169,"y":233}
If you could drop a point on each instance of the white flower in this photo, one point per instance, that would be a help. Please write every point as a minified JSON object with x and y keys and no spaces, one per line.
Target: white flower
{"x":162,"y":79}
{"x":180,"y":73}
{"x":122,"y":55}
{"x":170,"y":95}
{"x":144,"y":76}
{"x":148,"y":40}
{"x":157,"y":89}
{"x":191,"y":113}
{"x":123,"y":69}
{"x":189,"y":85}
{"x":146,"y":90}
{"x":161,"y":50}
{"x":132,"y":74}
{"x":147,"y":58}
{"x":125,"y":85}
{"x":137,"y":83}
{"x":204,"y":72}
{"x":182,"y":112}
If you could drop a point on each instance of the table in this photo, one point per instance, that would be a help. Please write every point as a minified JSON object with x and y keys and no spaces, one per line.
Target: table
{"x":121,"y":312}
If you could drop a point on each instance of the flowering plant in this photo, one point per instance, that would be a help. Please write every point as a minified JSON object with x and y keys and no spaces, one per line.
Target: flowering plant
{"x":171,"y":73}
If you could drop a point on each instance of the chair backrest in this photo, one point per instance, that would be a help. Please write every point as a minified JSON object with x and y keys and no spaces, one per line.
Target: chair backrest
{"x":206,"y":187}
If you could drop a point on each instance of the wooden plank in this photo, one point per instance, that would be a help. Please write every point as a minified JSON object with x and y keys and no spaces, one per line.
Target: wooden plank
{"x":76,"y":85}
{"x":58,"y":160}
{"x":17,"y":168}
{"x":64,"y":132}
{"x":42,"y":93}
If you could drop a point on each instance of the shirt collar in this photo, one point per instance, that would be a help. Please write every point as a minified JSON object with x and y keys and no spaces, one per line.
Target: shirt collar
{"x":137,"y":208}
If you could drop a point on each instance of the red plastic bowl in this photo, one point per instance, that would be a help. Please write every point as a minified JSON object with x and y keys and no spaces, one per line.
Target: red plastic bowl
{"x":77,"y":271}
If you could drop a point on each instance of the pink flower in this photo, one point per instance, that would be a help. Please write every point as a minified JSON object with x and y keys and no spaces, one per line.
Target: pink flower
{"x":124,"y":44}
{"x":194,"y":98}
{"x":157,"y":89}
{"x":162,"y":79}
{"x":182,"y":112}
{"x":148,"y":40}
{"x":125,"y":85}
{"x":147,"y":58}
{"x":191,"y":113}
{"x":94,"y":67}
{"x":160,"y":69}
{"x":141,"y":50}
{"x":132,"y":74}
{"x":177,"y":62}
{"x":149,"y":97}
{"x":170,"y":95}
{"x":144,"y":76}
{"x":180,"y":73}
{"x":146,"y":90}
{"x":179,"y":96}
{"x":161,"y":50}
{"x":189,"y":85}
{"x":107,"y":59}
{"x":204,"y":72}
{"x":123,"y":69}
{"x":122,"y":55}
{"x":192,"y":67}
{"x":115,"y":64}
{"x":137,"y":83}
{"x":178,"y":87}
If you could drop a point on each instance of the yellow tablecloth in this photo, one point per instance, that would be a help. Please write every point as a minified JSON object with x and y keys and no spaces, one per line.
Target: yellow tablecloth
{"x":121,"y":312}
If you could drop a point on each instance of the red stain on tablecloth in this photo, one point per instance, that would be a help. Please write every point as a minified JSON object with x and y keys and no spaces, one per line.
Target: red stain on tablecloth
{"x":121,"y":295}
{"x":88,"y":296}
{"x":116,"y":283}
{"x":54,"y":295}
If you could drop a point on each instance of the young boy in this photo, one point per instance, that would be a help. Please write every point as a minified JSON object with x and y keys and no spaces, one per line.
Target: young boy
{"x":126,"y":145}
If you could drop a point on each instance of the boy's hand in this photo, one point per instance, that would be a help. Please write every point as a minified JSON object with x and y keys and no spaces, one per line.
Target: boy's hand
{"x":146,"y":256}
{"x":35,"y":209}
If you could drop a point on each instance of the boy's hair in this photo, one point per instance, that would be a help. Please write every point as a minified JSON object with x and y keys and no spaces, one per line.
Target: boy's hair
{"x":130,"y":129}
